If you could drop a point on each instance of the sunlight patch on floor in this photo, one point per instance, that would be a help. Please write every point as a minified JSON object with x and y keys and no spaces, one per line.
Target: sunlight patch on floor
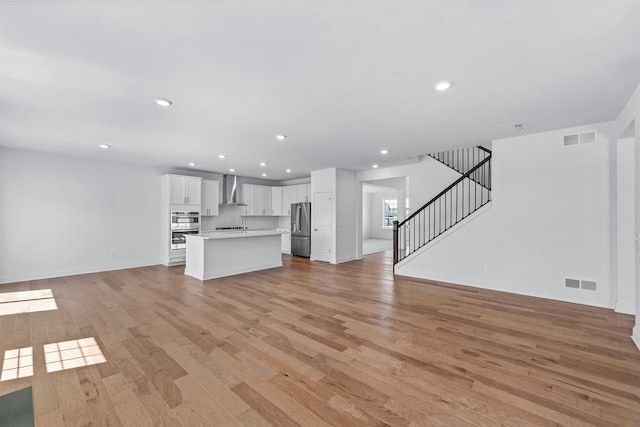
{"x":26,"y":302}
{"x":72,"y":354}
{"x":18,"y":363}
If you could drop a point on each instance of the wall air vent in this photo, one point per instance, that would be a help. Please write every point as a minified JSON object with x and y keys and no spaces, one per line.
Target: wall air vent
{"x":580,"y":138}
{"x":572,"y":283}
{"x":585,"y":285}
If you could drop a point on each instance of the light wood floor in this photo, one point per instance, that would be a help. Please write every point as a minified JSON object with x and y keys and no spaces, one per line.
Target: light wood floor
{"x":316,"y":344}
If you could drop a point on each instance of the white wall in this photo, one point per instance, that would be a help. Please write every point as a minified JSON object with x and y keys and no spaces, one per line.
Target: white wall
{"x":629,"y":120}
{"x":62,"y":215}
{"x":424,"y":180}
{"x":549,"y":220}
{"x":366,"y":215}
{"x":624,"y":251}
{"x":347,"y":232}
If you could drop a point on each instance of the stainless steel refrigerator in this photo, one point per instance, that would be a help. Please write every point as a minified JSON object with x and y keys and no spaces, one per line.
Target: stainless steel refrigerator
{"x":301,"y":229}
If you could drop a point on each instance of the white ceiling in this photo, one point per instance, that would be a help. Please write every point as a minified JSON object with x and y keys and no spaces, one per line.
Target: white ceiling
{"x":342,"y":79}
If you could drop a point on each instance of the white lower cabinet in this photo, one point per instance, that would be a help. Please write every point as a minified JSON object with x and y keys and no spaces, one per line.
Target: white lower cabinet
{"x":286,"y":243}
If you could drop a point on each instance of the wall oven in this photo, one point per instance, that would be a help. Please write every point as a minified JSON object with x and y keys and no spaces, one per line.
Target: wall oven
{"x":183,"y":224}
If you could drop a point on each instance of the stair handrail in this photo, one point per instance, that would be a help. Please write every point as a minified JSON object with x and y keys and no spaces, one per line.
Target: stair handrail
{"x":467,"y":175}
{"x":436,"y":156}
{"x":456,"y":182}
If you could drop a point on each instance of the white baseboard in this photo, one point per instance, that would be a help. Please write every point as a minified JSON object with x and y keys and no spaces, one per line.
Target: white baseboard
{"x":347,"y":259}
{"x":593,"y":300}
{"x":636,"y":336}
{"x":73,"y":271}
{"x":625,"y":307}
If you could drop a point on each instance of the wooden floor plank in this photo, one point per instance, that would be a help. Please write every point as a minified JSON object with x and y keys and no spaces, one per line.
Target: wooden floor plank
{"x":318,"y":344}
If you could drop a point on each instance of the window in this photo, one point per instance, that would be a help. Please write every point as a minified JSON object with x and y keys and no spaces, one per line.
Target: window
{"x":389,"y":212}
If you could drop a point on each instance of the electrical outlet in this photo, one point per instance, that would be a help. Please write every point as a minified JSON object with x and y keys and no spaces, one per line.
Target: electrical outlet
{"x":487,"y":267}
{"x":113,"y":254}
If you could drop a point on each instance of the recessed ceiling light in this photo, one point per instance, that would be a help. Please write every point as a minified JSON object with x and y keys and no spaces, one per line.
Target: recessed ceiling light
{"x":105,"y":146}
{"x":221,"y":156}
{"x":263,"y":164}
{"x":264,"y":174}
{"x":163,"y":102}
{"x":374,"y":166}
{"x":384,"y":151}
{"x":232,"y":170}
{"x":444,"y":85}
{"x":288,"y":171}
{"x":281,"y":137}
{"x":192,"y":164}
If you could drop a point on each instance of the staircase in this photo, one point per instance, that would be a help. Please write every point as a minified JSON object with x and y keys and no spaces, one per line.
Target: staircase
{"x":462,"y":198}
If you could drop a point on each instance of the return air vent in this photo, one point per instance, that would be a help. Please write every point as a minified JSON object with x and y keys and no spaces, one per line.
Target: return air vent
{"x":580,"y":138}
{"x":585,"y":285}
{"x":572,"y":283}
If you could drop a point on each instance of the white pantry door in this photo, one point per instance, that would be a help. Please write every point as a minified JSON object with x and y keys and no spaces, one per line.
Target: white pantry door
{"x":321,"y":235}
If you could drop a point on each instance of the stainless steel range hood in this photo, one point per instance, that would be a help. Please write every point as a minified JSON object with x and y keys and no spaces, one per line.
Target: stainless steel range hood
{"x":230,"y":191}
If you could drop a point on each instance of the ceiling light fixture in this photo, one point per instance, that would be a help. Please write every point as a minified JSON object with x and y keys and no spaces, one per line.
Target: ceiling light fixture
{"x":163,"y":102}
{"x":104,"y":146}
{"x":444,"y":85}
{"x":288,"y":171}
{"x":232,"y":170}
{"x":192,"y":164}
{"x":264,"y":174}
{"x":384,"y":151}
{"x":374,"y":166}
{"x":263,"y":164}
{"x":221,"y":156}
{"x":281,"y":137}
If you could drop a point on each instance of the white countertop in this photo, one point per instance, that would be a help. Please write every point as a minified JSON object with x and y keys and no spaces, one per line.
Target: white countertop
{"x":233,"y":234}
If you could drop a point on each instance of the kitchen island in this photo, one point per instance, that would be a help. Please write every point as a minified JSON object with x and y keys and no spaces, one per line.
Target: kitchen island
{"x":219,"y":254}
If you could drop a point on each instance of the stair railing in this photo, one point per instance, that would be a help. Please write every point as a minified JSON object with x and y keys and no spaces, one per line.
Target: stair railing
{"x":463,"y":159}
{"x":463,"y":197}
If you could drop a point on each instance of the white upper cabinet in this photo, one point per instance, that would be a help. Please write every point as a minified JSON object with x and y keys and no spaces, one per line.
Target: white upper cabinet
{"x":276,"y":201}
{"x":193,"y":190}
{"x":262,"y":200}
{"x":210,"y":197}
{"x":288,"y":196}
{"x":184,"y":190}
{"x":247,"y":198}
{"x":303,"y":192}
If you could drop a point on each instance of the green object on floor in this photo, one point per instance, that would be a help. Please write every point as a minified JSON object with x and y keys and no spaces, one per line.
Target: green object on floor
{"x":16,"y":409}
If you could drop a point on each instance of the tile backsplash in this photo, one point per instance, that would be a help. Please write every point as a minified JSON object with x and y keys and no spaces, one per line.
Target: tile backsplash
{"x":232,"y":216}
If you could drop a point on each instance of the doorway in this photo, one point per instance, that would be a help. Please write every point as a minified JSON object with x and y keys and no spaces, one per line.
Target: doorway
{"x":383,"y":201}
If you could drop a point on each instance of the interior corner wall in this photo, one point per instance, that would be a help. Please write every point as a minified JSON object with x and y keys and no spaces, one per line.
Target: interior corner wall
{"x":623,"y":225}
{"x":548,"y":220}
{"x":346,"y":224}
{"x":366,"y":217}
{"x":630,"y":115}
{"x":63,"y":215}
